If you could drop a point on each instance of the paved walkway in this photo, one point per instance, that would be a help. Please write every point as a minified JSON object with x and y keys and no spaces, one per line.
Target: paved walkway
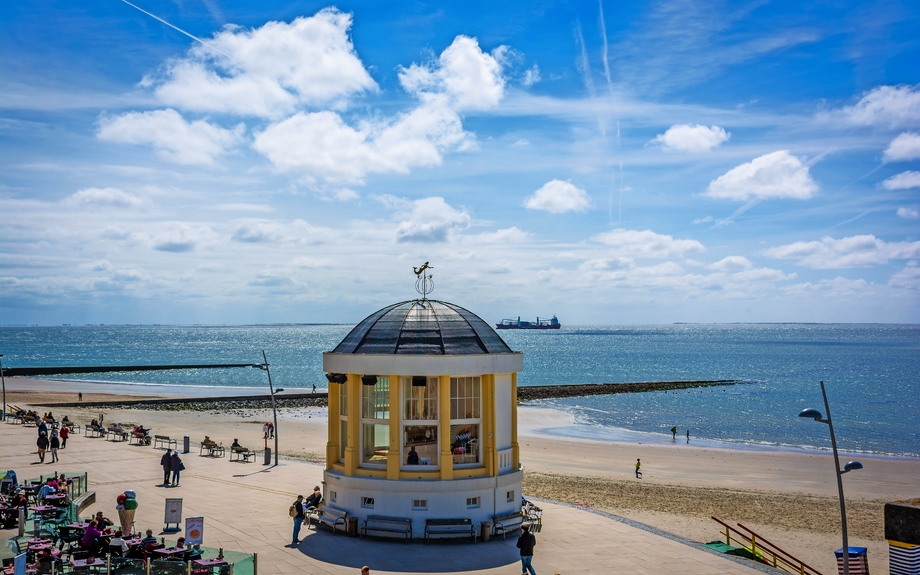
{"x":245,"y":507}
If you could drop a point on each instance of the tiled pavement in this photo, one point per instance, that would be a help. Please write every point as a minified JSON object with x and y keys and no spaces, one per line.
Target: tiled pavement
{"x":245,"y":508}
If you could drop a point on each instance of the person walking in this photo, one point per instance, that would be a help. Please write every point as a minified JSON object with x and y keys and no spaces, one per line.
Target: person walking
{"x":176,"y":466}
{"x":638,"y":472}
{"x":79,"y":396}
{"x":674,"y":433}
{"x":65,"y":431}
{"x":298,"y":515}
{"x":166,"y":463}
{"x":526,"y":543}
{"x":314,"y":391}
{"x":55,"y":445}
{"x":688,"y":436}
{"x":42,"y":445}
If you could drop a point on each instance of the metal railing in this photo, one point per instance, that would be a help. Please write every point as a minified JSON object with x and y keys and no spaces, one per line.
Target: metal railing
{"x":762,"y":549}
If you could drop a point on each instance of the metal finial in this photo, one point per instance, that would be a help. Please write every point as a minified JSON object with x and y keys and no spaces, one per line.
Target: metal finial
{"x":423,"y":282}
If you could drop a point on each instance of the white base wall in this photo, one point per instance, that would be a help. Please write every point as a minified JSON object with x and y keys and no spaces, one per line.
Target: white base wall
{"x":446,"y":499}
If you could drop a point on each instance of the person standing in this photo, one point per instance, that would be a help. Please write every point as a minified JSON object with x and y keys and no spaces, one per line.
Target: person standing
{"x":79,"y":396}
{"x":688,"y":436}
{"x":166,"y":463}
{"x":176,"y":466}
{"x":65,"y":431}
{"x":674,"y":433}
{"x":314,"y":391}
{"x":42,"y":445}
{"x":297,"y":514}
{"x":526,"y":543}
{"x":55,"y":445}
{"x":638,"y":465}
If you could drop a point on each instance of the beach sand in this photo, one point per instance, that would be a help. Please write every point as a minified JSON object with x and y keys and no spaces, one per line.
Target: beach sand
{"x":788,"y":497}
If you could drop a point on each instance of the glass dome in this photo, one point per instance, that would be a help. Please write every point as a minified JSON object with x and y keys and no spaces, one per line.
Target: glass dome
{"x":423,"y":327}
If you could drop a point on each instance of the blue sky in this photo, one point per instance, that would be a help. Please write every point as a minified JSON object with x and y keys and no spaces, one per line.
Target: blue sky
{"x":611,"y":163}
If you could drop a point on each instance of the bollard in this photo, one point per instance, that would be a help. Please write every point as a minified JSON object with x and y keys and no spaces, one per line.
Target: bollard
{"x":22,"y":521}
{"x":268,"y":456}
{"x":485,"y":531}
{"x":185,"y":442}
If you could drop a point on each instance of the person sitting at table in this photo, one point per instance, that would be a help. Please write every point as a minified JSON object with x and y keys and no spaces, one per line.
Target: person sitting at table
{"x":19,"y":499}
{"x":149,"y":539}
{"x":91,"y":536}
{"x":102,"y":522}
{"x":118,"y":545}
{"x":46,"y":561}
{"x":46,"y":490}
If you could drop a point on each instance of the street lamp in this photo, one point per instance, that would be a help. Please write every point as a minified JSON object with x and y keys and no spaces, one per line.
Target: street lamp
{"x":850,"y":466}
{"x":264,"y":367}
{"x":3,"y":415}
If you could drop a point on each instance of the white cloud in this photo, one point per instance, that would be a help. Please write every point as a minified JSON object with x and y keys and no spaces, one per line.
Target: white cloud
{"x":103,"y":197}
{"x":731,"y":264}
{"x":181,"y":238}
{"x":703,"y":220}
{"x":297,"y":232}
{"x":520,"y":143}
{"x":892,"y":106}
{"x":97,"y":266}
{"x":271,"y":70}
{"x":851,"y":252}
{"x":469,"y":78}
{"x":510,"y":235}
{"x":174,"y":139}
{"x":908,"y":278}
{"x":557,"y":197}
{"x":909,"y":213}
{"x":774,"y":175}
{"x":904,"y":148}
{"x":243,"y":207}
{"x":431,"y":220}
{"x":647,"y":244}
{"x":532,"y":76}
{"x":903,"y":181}
{"x":692,"y":138}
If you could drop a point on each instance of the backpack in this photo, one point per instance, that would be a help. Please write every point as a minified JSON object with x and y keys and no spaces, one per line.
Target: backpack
{"x":293,"y":510}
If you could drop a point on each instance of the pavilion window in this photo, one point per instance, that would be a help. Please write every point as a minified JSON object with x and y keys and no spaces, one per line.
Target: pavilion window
{"x":375,"y":423}
{"x":343,"y":420}
{"x":466,"y":421}
{"x":420,"y":447}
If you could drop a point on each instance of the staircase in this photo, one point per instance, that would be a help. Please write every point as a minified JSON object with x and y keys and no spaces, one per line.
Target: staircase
{"x":757,"y":548}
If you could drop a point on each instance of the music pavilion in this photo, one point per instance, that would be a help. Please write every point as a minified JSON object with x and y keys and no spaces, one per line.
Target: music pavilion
{"x":423,"y":417}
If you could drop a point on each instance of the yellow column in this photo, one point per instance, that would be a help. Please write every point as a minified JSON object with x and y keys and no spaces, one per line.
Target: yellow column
{"x":352,"y":453}
{"x":447,"y":461}
{"x":332,"y":445}
{"x":488,"y":424}
{"x":515,"y":447}
{"x":393,"y":457}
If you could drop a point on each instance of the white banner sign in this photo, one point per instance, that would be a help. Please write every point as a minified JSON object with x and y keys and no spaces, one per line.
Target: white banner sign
{"x":194,"y":530}
{"x":173,"y":511}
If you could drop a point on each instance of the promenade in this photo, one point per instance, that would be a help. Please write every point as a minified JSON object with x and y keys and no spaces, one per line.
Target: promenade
{"x":245,"y":508}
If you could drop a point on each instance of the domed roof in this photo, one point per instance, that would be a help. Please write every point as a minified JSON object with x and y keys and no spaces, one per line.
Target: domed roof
{"x":423,"y":327}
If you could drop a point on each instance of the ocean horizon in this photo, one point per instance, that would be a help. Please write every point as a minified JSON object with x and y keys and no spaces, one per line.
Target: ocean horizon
{"x":870,"y":371}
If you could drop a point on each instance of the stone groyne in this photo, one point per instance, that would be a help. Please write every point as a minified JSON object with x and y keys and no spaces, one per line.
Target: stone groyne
{"x":534,"y":392}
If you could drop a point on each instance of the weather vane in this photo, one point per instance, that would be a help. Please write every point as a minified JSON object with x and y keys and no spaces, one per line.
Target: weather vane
{"x":423,"y":282}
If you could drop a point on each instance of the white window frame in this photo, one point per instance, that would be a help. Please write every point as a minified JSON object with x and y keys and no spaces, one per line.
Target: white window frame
{"x":461,"y":401}
{"x":374,"y":410}
{"x":432,"y":421}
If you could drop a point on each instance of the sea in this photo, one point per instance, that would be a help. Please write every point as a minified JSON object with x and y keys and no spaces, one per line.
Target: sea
{"x":871,"y":373}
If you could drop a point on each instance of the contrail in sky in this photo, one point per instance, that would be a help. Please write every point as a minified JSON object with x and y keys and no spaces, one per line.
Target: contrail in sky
{"x":606,"y":60}
{"x":193,"y":37}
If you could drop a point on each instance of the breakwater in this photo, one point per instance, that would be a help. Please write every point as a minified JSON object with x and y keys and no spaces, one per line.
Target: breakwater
{"x":302,"y":400}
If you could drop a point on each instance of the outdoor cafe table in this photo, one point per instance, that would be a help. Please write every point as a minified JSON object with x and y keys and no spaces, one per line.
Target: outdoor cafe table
{"x":84,"y":563}
{"x":33,"y":568}
{"x":56,"y":497}
{"x":79,"y":525}
{"x":42,"y":508}
{"x":214,"y":562}
{"x":170,"y":551}
{"x":37,"y":541}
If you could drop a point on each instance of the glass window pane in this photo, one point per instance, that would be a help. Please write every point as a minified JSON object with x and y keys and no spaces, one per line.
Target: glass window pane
{"x":343,"y":438}
{"x":343,"y":399}
{"x":420,"y":402}
{"x":376,"y":441}
{"x":375,"y":400}
{"x":465,"y":397}
{"x":464,"y":439}
{"x":420,"y":444}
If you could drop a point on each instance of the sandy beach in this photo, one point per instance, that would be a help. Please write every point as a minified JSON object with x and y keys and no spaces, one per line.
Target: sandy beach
{"x":787,"y":496}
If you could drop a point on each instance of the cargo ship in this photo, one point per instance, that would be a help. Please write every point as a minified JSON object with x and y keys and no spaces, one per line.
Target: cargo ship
{"x":541,"y":323}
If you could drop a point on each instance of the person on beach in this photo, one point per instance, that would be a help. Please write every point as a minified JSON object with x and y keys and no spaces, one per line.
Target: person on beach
{"x":688,"y":436}
{"x":42,"y":445}
{"x":79,"y":396}
{"x":674,"y":433}
{"x":526,"y":543}
{"x":638,"y":465}
{"x":176,"y":466}
{"x":65,"y":431}
{"x":166,"y":463}
{"x":298,"y":519}
{"x":55,"y":445}
{"x":314,"y":388}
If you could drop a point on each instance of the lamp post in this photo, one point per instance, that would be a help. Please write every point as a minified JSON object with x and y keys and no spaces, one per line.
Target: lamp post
{"x":850,"y":466}
{"x":264,"y":367}
{"x":3,"y":381}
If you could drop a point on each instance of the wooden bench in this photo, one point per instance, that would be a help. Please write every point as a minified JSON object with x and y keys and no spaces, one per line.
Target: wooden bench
{"x":94,"y":431}
{"x":457,"y":526}
{"x":139,"y":438}
{"x":119,"y":435}
{"x":213,"y":450}
{"x":242,"y":454}
{"x":388,"y":525}
{"x":73,"y":427}
{"x":506,"y":522}
{"x":165,"y":441}
{"x":329,"y":516}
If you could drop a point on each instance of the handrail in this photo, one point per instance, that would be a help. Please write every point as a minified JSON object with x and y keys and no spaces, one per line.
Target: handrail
{"x":779,"y":561}
{"x":778,"y":548}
